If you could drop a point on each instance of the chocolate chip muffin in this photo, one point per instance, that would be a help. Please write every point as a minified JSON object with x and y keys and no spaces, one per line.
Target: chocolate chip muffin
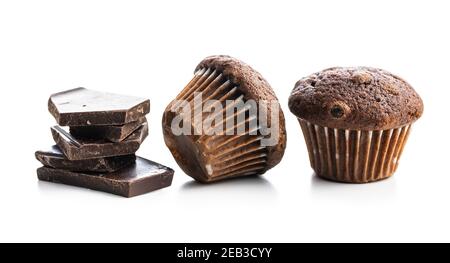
{"x":355,"y":121}
{"x":242,"y":132}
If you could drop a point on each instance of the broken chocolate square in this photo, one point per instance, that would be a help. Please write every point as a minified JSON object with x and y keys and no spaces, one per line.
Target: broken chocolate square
{"x":142,"y":177}
{"x":114,"y":133}
{"x":84,"y":107}
{"x":81,"y":149}
{"x":54,"y":158}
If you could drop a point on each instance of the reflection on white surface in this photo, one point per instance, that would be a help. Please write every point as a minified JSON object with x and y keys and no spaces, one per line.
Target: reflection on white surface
{"x":55,"y":189}
{"x":248,"y":182}
{"x":249,"y":188}
{"x":48,"y":188}
{"x":384,"y":190}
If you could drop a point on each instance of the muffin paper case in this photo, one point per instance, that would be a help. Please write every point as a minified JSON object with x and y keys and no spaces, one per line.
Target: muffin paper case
{"x":354,"y":156}
{"x":208,"y":156}
{"x":355,"y":122}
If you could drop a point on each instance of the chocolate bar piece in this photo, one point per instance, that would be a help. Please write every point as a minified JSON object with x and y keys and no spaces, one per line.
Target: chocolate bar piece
{"x":54,"y":158}
{"x":81,"y":149}
{"x":113,"y":133}
{"x":142,"y":177}
{"x":84,"y":107}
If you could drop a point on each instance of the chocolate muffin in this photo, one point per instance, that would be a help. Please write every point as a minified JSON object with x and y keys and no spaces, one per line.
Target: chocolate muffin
{"x":248,"y":138}
{"x":355,"y":121}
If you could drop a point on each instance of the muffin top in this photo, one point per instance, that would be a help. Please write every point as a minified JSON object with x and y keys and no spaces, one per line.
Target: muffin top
{"x":359,"y":98}
{"x":249,"y":81}
{"x":254,"y":87}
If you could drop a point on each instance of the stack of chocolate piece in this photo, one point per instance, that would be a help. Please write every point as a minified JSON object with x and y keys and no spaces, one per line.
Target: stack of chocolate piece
{"x":96,"y":140}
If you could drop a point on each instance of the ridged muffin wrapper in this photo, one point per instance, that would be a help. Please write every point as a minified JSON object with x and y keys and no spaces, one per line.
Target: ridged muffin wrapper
{"x":354,"y":156}
{"x":224,"y":156}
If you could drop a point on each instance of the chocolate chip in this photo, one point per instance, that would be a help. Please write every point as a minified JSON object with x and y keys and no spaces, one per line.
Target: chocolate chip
{"x":337,"y":112}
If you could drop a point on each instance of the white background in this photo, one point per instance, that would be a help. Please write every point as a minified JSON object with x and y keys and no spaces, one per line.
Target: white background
{"x":150,"y":49}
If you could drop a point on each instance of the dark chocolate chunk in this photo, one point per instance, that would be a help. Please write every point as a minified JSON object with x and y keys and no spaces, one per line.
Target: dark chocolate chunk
{"x":83,"y":107}
{"x":54,"y":158}
{"x":142,"y":177}
{"x":115,"y":133}
{"x":81,"y":149}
